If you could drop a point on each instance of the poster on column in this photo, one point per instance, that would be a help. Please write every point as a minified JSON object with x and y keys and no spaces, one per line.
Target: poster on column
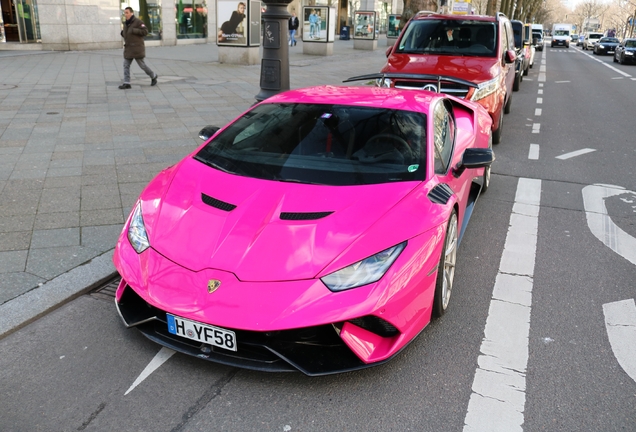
{"x":393,"y":28}
{"x":315,"y":24}
{"x":232,"y":19}
{"x":364,"y":25}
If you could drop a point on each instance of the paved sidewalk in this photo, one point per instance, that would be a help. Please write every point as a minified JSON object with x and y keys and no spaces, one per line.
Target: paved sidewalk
{"x":75,"y":151}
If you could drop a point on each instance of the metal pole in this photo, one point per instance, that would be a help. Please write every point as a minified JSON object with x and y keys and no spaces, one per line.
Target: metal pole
{"x":275,"y":61}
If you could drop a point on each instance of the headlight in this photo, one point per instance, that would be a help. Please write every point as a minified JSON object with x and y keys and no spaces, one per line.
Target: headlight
{"x":629,"y":52}
{"x":486,"y":88}
{"x":363,"y":272}
{"x":601,"y":46}
{"x":137,"y":231}
{"x":383,"y":82}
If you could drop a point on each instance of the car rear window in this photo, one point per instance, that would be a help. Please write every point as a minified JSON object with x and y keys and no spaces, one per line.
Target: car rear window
{"x":609,"y":40}
{"x":449,"y":37}
{"x":322,"y":144}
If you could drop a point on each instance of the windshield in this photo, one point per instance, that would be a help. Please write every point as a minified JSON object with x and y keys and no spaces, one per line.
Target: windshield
{"x":450,"y":37}
{"x":516,"y":30}
{"x":322,"y":144}
{"x":537,"y":35}
{"x":630,"y":44}
{"x":594,"y":36}
{"x":561,"y":33}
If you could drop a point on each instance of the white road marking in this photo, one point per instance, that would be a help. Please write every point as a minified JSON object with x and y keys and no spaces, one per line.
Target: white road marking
{"x":498,"y":399}
{"x":536,"y":128}
{"x":540,"y":91}
{"x":609,"y":66}
{"x":561,"y":82}
{"x":617,"y":78}
{"x":539,"y":101}
{"x":533,"y":153}
{"x":620,"y":322}
{"x":601,"y":224}
{"x":537,"y":111}
{"x":575,"y":153}
{"x":162,"y":356}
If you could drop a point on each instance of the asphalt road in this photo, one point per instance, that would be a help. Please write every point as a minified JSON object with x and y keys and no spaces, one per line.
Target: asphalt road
{"x":71,"y":369}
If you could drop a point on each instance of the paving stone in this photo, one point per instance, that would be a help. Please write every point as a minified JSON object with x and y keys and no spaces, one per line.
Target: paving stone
{"x":51,"y":262}
{"x":47,"y":221}
{"x":13,"y":261}
{"x":101,"y":238}
{"x":15,"y":240}
{"x":55,"y":238}
{"x":16,"y":223}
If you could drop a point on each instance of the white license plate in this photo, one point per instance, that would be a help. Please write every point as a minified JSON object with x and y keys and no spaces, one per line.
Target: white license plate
{"x":200,"y":332}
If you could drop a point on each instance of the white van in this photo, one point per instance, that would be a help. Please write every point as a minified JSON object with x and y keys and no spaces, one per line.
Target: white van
{"x":590,"y":39}
{"x":561,"y":35}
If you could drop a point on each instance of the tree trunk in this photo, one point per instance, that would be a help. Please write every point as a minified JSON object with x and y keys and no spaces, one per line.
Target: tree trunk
{"x":411,"y":7}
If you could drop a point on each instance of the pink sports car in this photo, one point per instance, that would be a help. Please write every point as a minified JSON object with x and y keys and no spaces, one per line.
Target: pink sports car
{"x":316,"y":232}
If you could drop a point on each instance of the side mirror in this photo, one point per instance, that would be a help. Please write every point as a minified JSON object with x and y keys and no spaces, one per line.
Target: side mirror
{"x":474,"y":158}
{"x":510,"y":56}
{"x":207,"y":132}
{"x":477,"y":158}
{"x":388,"y":51}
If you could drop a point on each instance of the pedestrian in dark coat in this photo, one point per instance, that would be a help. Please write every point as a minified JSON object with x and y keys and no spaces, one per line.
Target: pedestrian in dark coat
{"x":293,"y":27}
{"x":134,"y":48}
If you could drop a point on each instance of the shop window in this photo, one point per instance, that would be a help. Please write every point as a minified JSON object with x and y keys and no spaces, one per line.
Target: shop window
{"x":192,"y":19}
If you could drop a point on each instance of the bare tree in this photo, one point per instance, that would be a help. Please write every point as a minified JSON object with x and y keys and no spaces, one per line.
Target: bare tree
{"x":411,"y":7}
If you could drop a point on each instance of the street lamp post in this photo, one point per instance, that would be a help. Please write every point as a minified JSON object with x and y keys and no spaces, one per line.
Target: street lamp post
{"x":275,"y":61}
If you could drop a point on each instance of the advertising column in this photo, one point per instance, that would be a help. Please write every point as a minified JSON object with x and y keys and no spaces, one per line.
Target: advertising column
{"x":2,"y":38}
{"x":364,"y":30}
{"x":393,"y":29}
{"x":238,"y":32}
{"x":319,"y":30}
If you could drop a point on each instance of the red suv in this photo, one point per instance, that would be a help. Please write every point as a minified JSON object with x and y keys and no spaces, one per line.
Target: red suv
{"x":479,"y":50}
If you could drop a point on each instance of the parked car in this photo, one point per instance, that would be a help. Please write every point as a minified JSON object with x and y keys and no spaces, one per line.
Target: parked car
{"x":522,"y":65}
{"x":580,"y":40}
{"x":574,"y":37}
{"x":606,"y":45}
{"x":316,"y":232}
{"x":590,"y":39}
{"x":477,"y":49}
{"x":538,"y":42}
{"x":626,"y":51}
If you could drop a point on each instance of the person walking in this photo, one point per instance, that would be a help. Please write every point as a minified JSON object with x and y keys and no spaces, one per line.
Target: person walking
{"x":293,"y":26}
{"x":134,"y":49}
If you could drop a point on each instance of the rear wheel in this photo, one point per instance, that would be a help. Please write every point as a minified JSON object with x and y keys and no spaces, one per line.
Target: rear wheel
{"x":515,"y":85}
{"x":496,"y":134}
{"x":446,"y":269}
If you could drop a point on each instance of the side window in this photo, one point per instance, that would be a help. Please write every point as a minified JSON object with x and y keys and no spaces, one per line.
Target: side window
{"x":444,"y":138}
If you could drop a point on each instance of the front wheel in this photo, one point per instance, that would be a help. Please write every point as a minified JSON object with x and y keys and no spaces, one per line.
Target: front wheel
{"x":485,"y":179}
{"x":517,"y":82}
{"x":446,"y":269}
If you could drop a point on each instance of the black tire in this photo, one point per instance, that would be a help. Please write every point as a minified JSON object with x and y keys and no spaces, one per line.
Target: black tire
{"x":496,"y":135}
{"x":508,"y":106}
{"x":485,"y":179}
{"x":614,"y":59}
{"x":515,"y":85}
{"x":446,"y":267}
{"x":525,"y":72}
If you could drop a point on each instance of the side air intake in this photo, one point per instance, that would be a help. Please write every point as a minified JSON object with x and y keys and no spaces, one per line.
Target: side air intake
{"x":440,"y":194}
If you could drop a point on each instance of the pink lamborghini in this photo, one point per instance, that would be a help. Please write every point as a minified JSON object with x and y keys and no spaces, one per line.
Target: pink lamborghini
{"x":316,"y":232}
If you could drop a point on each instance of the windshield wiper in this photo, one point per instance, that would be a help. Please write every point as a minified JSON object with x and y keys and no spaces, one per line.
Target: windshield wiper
{"x":290,"y":180}
{"x":213,"y":165}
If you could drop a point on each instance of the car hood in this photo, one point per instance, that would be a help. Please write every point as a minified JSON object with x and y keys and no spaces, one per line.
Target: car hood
{"x":252,"y":240}
{"x":474,"y":69}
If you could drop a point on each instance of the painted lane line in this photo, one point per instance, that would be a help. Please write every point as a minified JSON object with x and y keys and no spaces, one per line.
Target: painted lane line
{"x":620,"y":322}
{"x":533,"y":153}
{"x":616,"y":78}
{"x":498,"y":398}
{"x":541,"y":77}
{"x":539,"y":100}
{"x":575,"y":153}
{"x":536,"y":128}
{"x":160,"y":358}
{"x":601,"y":224}
{"x":540,"y":91}
{"x":540,"y":84}
{"x":609,"y":66}
{"x":537,"y":111}
{"x":561,"y":82}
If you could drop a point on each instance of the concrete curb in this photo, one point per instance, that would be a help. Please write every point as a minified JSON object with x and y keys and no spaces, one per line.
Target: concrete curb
{"x":28,"y":307}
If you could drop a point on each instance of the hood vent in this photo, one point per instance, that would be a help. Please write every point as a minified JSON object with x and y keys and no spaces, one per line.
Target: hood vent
{"x":221,"y":205}
{"x":440,"y":194}
{"x":304,"y":216}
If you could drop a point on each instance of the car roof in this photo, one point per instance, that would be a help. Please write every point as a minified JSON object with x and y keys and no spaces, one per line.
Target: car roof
{"x":424,"y":16}
{"x":363,"y":96}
